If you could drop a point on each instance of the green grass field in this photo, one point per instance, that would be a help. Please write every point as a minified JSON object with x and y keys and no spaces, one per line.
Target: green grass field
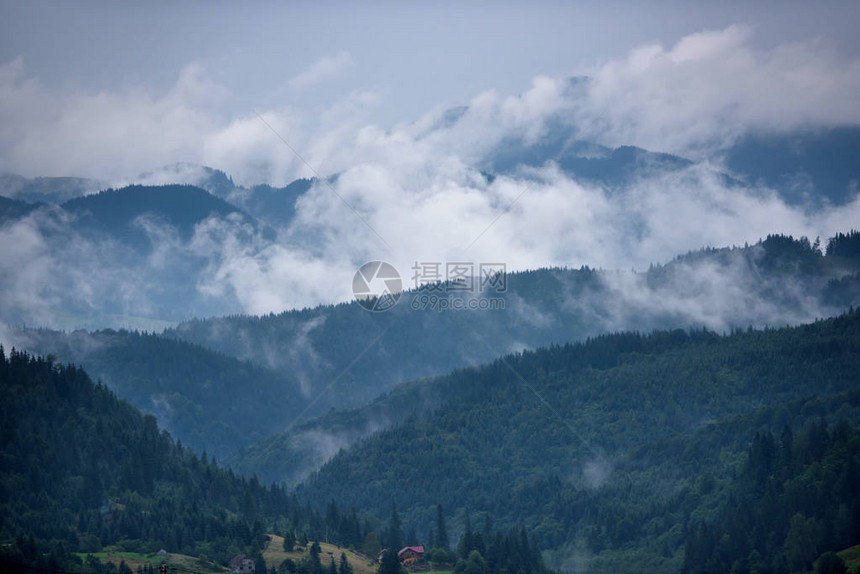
{"x":274,"y":554}
{"x":851,"y":556}
{"x":135,"y":559}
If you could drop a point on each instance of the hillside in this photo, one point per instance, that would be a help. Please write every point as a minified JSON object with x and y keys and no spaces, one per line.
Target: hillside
{"x":117,"y":212}
{"x":576,"y":441}
{"x":213,"y":403}
{"x":129,"y":257}
{"x":778,"y":281}
{"x":275,"y":555}
{"x":807,"y":165}
{"x":86,"y":480}
{"x":586,"y":161}
{"x":804,"y":166}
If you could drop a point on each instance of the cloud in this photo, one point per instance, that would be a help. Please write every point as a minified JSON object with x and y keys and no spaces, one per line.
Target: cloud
{"x":418,"y":184}
{"x":324,"y":69}
{"x":596,"y":472}
{"x":711,"y":87}
{"x":104,"y":134}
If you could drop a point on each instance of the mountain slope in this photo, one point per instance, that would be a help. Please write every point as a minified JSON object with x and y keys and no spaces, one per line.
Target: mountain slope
{"x":814,"y":167}
{"x":818,"y":166}
{"x":122,"y":255}
{"x":213,"y":403}
{"x":80,"y":469}
{"x":346,"y":356}
{"x":117,"y":211}
{"x":12,"y":209}
{"x":539,"y":438}
{"x":585,"y":161}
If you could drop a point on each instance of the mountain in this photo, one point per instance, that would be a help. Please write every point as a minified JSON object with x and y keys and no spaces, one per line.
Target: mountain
{"x":85,"y":477}
{"x":275,"y":205}
{"x":151,"y":256}
{"x":817,"y":166}
{"x":248,"y":389}
{"x":583,"y":160}
{"x":134,"y":256}
{"x":13,"y":209}
{"x":118,"y":212}
{"x":272,"y":205}
{"x":345,"y":356}
{"x":213,"y":403}
{"x":604,"y":448}
{"x":805,"y":167}
{"x":81,"y":470}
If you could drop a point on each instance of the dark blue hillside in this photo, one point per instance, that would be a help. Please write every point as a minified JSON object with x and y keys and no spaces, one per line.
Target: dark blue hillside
{"x":819,"y":165}
{"x":182,"y":206}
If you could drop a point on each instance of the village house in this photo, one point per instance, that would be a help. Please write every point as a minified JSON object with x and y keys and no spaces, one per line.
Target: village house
{"x":242,"y":563}
{"x":410,"y":554}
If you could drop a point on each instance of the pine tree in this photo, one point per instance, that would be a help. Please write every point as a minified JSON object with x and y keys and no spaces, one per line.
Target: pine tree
{"x":442,"y":540}
{"x":345,"y":567}
{"x":394,"y":536}
{"x":371,"y":546}
{"x":390,"y":563}
{"x":467,"y":542}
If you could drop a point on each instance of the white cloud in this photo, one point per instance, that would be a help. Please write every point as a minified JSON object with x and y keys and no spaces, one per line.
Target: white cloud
{"x":712,"y":86}
{"x":322,"y":70}
{"x":416,"y":184}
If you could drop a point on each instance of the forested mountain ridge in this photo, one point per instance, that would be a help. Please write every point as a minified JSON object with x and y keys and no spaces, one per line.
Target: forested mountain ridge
{"x":780,"y":280}
{"x":80,"y":469}
{"x":804,"y":166}
{"x":137,"y":252}
{"x":213,"y":403}
{"x":130,"y":264}
{"x":83,"y":473}
{"x":543,"y":438}
{"x":117,"y":212}
{"x":219,"y":404}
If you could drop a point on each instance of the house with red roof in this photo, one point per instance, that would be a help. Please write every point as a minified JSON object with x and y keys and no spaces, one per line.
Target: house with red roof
{"x":410,"y":554}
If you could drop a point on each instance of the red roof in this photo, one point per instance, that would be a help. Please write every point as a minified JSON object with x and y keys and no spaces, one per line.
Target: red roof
{"x":415,"y":549}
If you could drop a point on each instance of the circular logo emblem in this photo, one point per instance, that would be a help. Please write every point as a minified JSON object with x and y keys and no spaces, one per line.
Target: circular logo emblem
{"x":377,"y":286}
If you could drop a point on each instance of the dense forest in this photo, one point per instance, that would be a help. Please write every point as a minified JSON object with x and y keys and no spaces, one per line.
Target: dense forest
{"x":81,"y":470}
{"x":777,"y":280}
{"x":794,"y":498}
{"x":780,"y":280}
{"x":555,"y":439}
{"x":619,"y":452}
{"x":214,"y":403}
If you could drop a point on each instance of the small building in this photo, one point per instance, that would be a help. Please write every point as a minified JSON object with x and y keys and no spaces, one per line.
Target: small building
{"x":242,"y":563}
{"x":410,"y":554}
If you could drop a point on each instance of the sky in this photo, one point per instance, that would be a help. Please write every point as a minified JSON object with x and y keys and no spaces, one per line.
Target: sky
{"x":269,"y":92}
{"x":131,"y":69}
